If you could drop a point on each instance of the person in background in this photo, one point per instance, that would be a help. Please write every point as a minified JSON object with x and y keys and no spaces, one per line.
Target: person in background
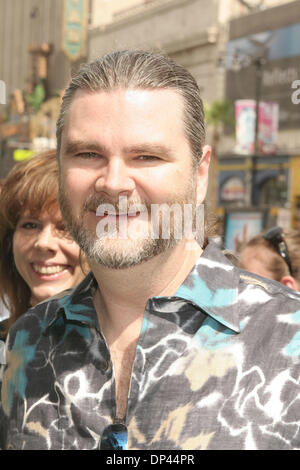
{"x":274,"y":255}
{"x":38,"y":258}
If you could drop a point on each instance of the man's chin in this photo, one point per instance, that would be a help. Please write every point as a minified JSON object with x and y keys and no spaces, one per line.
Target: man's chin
{"x":121,"y":254}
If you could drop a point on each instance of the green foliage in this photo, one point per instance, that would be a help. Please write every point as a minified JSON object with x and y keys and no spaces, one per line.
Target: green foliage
{"x":220,"y":113}
{"x":37,"y":97}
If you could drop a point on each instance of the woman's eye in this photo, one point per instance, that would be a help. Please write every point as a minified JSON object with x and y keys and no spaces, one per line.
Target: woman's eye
{"x":29,"y":225}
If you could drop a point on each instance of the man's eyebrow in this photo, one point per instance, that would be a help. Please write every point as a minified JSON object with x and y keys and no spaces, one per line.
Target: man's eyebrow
{"x":148,"y":148}
{"x":72,"y":147}
{"x":76,"y":146}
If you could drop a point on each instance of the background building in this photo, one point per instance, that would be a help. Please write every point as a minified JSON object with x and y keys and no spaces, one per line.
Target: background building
{"x":41,"y":43}
{"x":30,"y":23}
{"x":262,"y":60}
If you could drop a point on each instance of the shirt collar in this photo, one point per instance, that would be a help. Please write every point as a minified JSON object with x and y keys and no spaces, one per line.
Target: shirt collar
{"x":212,"y":286}
{"x":76,"y":304}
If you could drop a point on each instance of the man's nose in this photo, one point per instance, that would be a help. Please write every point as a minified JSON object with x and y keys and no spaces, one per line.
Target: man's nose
{"x":115,"y":178}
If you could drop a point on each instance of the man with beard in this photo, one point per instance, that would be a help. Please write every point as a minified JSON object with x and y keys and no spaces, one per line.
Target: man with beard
{"x":165,"y":344}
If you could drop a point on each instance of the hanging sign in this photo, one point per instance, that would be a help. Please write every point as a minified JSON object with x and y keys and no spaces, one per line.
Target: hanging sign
{"x":74,"y":32}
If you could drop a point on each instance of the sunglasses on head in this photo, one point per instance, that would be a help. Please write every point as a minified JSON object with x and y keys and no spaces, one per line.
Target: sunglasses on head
{"x":276,"y":237}
{"x":115,"y":436}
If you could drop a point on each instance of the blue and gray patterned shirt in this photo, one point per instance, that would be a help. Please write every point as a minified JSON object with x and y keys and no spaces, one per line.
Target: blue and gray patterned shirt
{"x":216,"y":367}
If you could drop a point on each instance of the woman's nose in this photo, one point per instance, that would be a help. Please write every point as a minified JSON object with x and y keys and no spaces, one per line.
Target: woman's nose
{"x":46,"y":238}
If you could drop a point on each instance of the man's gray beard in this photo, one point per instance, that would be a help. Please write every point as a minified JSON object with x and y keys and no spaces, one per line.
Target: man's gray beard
{"x":98,"y":251}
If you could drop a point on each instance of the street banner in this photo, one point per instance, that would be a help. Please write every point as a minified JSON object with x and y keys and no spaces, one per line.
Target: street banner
{"x":74,"y":28}
{"x":245,"y":116}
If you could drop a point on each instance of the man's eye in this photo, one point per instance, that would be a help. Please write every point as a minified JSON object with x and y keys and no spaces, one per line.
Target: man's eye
{"x":148,"y":158}
{"x":88,"y":155}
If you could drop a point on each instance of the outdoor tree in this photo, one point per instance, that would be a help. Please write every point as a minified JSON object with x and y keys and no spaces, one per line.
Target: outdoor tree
{"x":219,"y":117}
{"x":36,"y":98}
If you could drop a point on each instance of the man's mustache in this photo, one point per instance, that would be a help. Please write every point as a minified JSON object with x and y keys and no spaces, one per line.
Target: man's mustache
{"x":122,"y":206}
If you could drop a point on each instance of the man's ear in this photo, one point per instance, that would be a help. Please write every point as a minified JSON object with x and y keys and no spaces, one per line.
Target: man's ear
{"x":290,"y":282}
{"x":202,"y":174}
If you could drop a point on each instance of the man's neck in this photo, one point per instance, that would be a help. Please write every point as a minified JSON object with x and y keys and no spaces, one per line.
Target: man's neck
{"x":123,"y":293}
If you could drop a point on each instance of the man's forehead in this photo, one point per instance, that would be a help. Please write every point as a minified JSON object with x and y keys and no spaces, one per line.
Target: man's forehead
{"x":133,"y":95}
{"x":132,"y":106}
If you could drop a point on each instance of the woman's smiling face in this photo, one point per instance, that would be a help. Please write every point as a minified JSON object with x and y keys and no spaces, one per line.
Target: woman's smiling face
{"x":45,"y":255}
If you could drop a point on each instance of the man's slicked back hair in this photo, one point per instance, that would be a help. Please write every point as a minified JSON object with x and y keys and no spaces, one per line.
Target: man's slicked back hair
{"x":134,"y":69}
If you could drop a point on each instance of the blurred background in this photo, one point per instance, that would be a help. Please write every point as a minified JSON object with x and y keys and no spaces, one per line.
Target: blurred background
{"x":245,"y":56}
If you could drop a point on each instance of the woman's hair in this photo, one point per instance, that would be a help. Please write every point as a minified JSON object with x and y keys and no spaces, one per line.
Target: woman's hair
{"x":274,"y":263}
{"x":33,"y":185}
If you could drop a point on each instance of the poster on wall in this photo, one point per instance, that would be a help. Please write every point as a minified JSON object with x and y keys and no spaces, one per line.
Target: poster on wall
{"x":245,"y":117}
{"x":240,"y":226}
